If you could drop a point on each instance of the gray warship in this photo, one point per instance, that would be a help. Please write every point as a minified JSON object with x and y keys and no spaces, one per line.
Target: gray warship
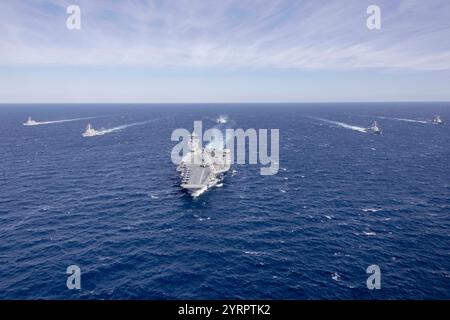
{"x":437,"y":120}
{"x":374,"y":128}
{"x":203,"y":168}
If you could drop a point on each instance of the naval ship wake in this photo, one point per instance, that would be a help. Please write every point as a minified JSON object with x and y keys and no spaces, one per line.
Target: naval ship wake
{"x":31,"y":122}
{"x":90,"y":132}
{"x":343,"y":125}
{"x":405,"y":120}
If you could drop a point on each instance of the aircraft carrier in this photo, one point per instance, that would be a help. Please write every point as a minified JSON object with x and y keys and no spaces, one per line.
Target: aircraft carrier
{"x":203,"y":168}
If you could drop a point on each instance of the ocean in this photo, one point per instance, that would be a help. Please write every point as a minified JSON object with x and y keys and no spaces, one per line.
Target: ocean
{"x":342,"y":200}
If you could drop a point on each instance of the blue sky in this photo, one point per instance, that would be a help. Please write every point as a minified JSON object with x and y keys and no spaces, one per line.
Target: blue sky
{"x":224,"y":51}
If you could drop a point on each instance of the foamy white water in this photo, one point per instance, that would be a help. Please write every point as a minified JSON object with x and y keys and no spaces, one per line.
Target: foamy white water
{"x":37,"y":123}
{"x":370,"y":210}
{"x":343,"y":125}
{"x":402,"y":119}
{"x":122,"y":127}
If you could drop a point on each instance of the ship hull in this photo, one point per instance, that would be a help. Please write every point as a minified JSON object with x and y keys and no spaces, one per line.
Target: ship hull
{"x":206,"y":172}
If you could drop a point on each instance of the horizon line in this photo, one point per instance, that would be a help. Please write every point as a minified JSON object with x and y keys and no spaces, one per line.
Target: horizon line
{"x":216,"y":103}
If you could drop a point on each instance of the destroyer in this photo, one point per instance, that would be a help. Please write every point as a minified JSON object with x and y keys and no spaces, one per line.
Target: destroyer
{"x":222,"y":120}
{"x":437,"y":120}
{"x":90,"y":132}
{"x":30,"y":122}
{"x":374,"y":128}
{"x":203,"y":168}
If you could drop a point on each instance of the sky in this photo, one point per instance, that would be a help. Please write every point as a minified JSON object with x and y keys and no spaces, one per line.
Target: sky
{"x":158,"y":51}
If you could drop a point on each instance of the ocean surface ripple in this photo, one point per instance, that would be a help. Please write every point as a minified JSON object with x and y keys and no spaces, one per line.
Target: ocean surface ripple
{"x":112,"y":205}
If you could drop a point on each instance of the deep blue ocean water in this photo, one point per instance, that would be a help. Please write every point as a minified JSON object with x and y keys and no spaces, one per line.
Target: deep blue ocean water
{"x":342,"y":200}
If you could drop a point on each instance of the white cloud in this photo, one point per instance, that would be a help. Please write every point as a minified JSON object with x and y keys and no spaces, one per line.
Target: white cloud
{"x":323,"y":35}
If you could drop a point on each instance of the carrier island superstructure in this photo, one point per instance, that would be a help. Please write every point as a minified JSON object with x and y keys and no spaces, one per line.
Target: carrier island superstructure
{"x":203,"y":168}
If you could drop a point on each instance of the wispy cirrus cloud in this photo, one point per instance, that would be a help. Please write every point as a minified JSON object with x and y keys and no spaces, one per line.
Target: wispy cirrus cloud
{"x":310,"y":34}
